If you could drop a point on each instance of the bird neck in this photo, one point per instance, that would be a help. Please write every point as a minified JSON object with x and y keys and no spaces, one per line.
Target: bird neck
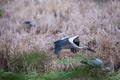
{"x":81,"y":48}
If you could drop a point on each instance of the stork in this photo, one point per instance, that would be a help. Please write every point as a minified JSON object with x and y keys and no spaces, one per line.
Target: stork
{"x":69,"y":43}
{"x":96,"y":62}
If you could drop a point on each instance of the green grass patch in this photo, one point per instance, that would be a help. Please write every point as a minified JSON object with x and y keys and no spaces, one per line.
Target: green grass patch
{"x":31,"y":67}
{"x":19,"y":76}
{"x":113,"y":76}
{"x":33,"y":62}
{"x":78,"y":58}
{"x":1,"y":12}
{"x":79,"y":73}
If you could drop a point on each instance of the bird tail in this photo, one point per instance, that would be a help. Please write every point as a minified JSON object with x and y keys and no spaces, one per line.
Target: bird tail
{"x":83,"y":62}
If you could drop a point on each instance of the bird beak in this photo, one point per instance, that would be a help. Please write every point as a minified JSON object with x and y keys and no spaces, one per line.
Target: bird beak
{"x":91,"y":50}
{"x":87,"y":48}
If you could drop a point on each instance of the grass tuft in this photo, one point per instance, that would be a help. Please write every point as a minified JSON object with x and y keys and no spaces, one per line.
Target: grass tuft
{"x":32,"y":62}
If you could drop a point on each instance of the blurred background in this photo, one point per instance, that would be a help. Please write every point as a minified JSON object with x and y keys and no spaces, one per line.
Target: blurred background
{"x":96,"y":22}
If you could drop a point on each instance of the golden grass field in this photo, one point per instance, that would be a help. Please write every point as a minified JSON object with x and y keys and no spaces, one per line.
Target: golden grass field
{"x":96,"y":22}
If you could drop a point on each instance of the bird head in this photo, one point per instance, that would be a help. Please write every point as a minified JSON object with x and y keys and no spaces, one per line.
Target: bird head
{"x":74,"y":41}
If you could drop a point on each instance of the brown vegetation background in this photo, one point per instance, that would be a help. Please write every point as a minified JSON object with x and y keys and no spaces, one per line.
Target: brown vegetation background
{"x":96,"y":22}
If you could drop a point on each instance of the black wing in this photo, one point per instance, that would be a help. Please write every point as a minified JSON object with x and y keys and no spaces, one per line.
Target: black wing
{"x":58,"y":45}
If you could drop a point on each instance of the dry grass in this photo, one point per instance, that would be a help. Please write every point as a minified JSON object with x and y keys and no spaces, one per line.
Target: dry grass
{"x":94,"y":21}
